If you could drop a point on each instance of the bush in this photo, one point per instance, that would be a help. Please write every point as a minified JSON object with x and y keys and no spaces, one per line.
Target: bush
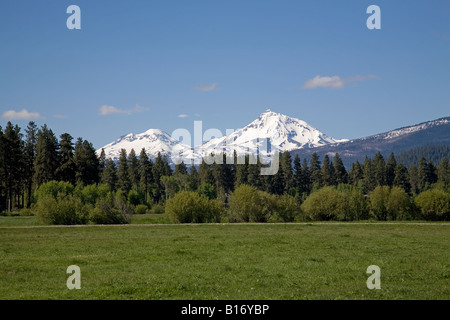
{"x":54,"y":188}
{"x":136,"y":198}
{"x":287,"y":209}
{"x":344,"y":202}
{"x":90,"y":194}
{"x":140,"y":209}
{"x":62,"y":210}
{"x":207,"y":190}
{"x":26,"y":212}
{"x":105,"y":213}
{"x":248,"y":204}
{"x":379,"y":198}
{"x":399,"y":206}
{"x":434,"y":204}
{"x":324,"y":204}
{"x":157,"y":209}
{"x":188,"y":206}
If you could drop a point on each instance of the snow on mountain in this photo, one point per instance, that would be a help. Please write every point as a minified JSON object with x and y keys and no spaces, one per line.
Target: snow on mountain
{"x":270,"y":131}
{"x":153,"y":140}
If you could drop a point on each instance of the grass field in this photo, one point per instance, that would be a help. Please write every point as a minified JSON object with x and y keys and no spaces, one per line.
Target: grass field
{"x":231,"y":261}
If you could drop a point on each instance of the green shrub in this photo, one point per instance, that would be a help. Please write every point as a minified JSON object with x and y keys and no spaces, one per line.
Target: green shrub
{"x":90,"y":194}
{"x":136,"y":198}
{"x":207,"y":190}
{"x":248,"y":204}
{"x":26,"y":212}
{"x":62,"y":210}
{"x":287,"y":209}
{"x":324,"y":204}
{"x":189,"y":207}
{"x":379,"y":199}
{"x":399,"y":205}
{"x":157,"y":209}
{"x":434,"y":204}
{"x":140,"y":209}
{"x":54,"y":188}
{"x":106,"y":213}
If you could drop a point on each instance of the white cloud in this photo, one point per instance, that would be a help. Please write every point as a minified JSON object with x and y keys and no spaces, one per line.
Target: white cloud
{"x":20,"y":115}
{"x":206,"y":88}
{"x":182,"y":116}
{"x":335,"y":82}
{"x":106,"y":110}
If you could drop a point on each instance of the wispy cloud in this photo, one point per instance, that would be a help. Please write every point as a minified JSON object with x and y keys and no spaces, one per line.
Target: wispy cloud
{"x":107,"y":110}
{"x":335,"y":82}
{"x":207,"y":87}
{"x":20,"y":115}
{"x":182,"y":116}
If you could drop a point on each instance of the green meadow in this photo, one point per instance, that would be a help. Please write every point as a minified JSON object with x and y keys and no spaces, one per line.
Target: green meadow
{"x":224,"y":261}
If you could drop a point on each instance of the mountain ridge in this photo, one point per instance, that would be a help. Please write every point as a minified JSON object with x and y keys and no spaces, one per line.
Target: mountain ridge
{"x":285,"y":134}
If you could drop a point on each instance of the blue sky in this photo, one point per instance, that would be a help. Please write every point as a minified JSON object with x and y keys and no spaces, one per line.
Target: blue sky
{"x":136,"y":65}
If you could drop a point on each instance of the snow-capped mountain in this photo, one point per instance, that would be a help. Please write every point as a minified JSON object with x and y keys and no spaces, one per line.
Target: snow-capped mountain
{"x":268,"y":132}
{"x":153,"y":140}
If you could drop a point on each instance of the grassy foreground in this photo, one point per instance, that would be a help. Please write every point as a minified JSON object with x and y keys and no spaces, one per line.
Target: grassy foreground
{"x":271,"y":261}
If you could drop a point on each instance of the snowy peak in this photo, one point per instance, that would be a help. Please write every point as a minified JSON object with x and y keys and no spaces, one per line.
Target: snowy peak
{"x":285,"y":133}
{"x":153,"y":140}
{"x":268,"y":132}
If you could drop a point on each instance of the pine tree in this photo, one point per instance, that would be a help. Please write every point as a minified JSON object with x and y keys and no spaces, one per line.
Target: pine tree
{"x":133,"y":170}
{"x":13,"y":161}
{"x":356,"y":173}
{"x":402,"y":178}
{"x":390,"y":169}
{"x":194,"y":179}
{"x":326,"y":172}
{"x":205,"y":173}
{"x":306,"y":177}
{"x":109,"y":175}
{"x":426,"y":174}
{"x":276,"y":184}
{"x":46,"y":161}
{"x":29,"y":156}
{"x":287,"y":174}
{"x":369,"y":175}
{"x":380,"y":169}
{"x":443,"y":173}
{"x":145,"y":172}
{"x":123,"y":174}
{"x":66,"y":169}
{"x":315,"y":170}
{"x":159,"y":170}
{"x":241,"y":165}
{"x":181,"y":168}
{"x":102,"y":161}
{"x":254,"y":172}
{"x":414,"y":179}
{"x":298,"y":176}
{"x":87,"y":163}
{"x":339,"y":171}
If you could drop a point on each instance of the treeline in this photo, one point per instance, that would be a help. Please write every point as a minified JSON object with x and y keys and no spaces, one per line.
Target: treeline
{"x":37,"y":158}
{"x":434,"y":154}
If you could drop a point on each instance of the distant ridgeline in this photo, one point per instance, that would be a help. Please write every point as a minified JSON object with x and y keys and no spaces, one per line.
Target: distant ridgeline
{"x":431,"y":153}
{"x":428,"y":139}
